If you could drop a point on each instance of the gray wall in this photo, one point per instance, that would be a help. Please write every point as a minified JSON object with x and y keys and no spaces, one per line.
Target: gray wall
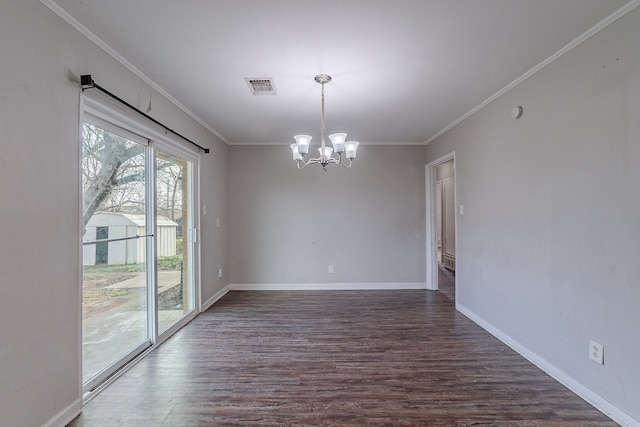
{"x":549,"y":242}
{"x":287,"y":225}
{"x":213,"y":198}
{"x":39,"y":208}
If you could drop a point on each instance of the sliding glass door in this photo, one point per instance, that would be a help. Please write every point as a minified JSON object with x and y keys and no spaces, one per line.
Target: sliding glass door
{"x":115,"y":282}
{"x":138,"y":246}
{"x":176,"y":236}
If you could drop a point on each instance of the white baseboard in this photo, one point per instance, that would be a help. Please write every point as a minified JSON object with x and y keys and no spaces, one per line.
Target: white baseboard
{"x":65,"y":416}
{"x":559,"y":375}
{"x":208,"y":303}
{"x":323,"y":286}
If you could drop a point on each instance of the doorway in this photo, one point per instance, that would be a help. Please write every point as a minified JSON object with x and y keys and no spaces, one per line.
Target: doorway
{"x":441,"y":225}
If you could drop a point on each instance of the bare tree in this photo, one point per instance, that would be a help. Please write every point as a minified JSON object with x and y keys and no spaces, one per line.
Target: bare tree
{"x":109,"y":163}
{"x":113,"y":170}
{"x":169,"y":189}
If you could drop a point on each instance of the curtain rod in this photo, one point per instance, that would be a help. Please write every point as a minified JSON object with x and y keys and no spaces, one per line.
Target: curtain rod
{"x":86,"y":82}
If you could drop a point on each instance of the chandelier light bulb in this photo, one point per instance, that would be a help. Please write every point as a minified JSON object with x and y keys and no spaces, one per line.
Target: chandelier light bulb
{"x":350,"y":148}
{"x":337,"y":140}
{"x":296,"y":155}
{"x":325,"y":152}
{"x":303,"y":142}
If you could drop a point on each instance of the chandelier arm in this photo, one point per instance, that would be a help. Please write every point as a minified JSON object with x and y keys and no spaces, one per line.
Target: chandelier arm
{"x":308,"y":162}
{"x":327,"y":160}
{"x":344,"y":165}
{"x":339,"y":161}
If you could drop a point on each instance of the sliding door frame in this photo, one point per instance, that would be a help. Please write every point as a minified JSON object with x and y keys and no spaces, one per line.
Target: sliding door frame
{"x":147,"y":342}
{"x":194,"y":159}
{"x":102,"y":108}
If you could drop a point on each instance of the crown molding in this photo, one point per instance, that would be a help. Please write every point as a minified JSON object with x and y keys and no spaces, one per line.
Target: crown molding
{"x":395,"y":144}
{"x":575,"y":42}
{"x":51,"y":4}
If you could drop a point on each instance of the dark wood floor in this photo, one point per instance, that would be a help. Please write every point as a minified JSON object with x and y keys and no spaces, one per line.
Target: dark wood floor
{"x":336,"y":358}
{"x":447,"y":283}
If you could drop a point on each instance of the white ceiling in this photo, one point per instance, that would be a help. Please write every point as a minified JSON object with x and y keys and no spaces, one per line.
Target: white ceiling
{"x":402,"y":70}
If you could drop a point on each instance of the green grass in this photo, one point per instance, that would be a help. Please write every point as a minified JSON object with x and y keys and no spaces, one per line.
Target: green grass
{"x":101,"y":271}
{"x":120,"y":268}
{"x":101,"y":294}
{"x":169,"y":262}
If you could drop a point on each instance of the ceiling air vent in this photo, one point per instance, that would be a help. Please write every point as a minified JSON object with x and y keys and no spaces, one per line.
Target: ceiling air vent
{"x":261,"y":85}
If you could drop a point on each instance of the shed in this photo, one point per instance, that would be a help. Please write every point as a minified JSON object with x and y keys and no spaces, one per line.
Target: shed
{"x":115,"y":225}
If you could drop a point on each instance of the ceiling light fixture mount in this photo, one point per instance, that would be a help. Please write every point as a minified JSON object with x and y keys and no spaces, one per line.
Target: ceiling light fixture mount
{"x":322,"y":78}
{"x":301,"y":147}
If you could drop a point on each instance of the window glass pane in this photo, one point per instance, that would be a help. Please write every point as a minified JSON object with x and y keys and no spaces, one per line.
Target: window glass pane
{"x":114,"y":285}
{"x":174,"y":241}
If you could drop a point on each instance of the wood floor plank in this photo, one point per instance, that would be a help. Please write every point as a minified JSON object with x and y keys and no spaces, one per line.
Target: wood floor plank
{"x":336,"y":358}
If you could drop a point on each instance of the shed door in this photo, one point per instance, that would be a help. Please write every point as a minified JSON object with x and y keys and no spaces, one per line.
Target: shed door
{"x":102,"y":248}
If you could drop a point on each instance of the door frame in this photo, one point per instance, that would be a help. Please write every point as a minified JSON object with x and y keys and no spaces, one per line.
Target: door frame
{"x":194,"y":158}
{"x":104,"y":112}
{"x":431,"y":279}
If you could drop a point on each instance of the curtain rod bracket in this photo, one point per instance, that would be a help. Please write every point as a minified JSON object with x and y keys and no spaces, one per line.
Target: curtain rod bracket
{"x":86,"y":82}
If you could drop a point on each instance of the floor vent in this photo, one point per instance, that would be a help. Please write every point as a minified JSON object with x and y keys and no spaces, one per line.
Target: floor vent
{"x":261,"y":85}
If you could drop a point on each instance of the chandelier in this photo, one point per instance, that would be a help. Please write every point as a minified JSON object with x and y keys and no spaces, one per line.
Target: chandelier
{"x":301,"y":147}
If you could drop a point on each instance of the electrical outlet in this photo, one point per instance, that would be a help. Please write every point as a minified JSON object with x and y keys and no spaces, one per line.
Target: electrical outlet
{"x":220,"y":273}
{"x":331,"y":269}
{"x":596,"y":352}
